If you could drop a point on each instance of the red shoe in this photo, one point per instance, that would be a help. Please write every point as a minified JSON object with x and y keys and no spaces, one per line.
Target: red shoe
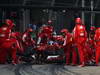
{"x":82,"y":65}
{"x":14,"y":63}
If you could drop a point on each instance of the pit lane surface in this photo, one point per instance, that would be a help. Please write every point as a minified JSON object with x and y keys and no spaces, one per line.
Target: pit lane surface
{"x":26,"y":69}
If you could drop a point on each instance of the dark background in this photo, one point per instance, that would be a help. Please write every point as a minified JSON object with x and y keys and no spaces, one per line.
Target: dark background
{"x":61,"y":12}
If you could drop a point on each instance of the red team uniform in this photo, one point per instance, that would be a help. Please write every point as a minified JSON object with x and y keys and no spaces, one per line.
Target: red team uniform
{"x":97,"y":44}
{"x":27,"y":39}
{"x":80,"y":37}
{"x":8,"y":45}
{"x":68,"y":49}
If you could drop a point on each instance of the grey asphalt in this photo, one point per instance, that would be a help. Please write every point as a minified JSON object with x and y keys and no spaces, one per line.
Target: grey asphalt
{"x":48,"y":69}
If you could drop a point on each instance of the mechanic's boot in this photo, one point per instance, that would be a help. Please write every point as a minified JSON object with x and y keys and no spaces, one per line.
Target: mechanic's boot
{"x":14,"y":63}
{"x":82,"y":65}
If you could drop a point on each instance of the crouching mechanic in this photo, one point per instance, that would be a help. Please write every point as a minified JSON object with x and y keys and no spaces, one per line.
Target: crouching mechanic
{"x":43,"y":37}
{"x":28,"y":44}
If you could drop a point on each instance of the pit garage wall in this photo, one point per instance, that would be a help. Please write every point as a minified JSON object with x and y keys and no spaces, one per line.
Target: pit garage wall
{"x":59,"y":18}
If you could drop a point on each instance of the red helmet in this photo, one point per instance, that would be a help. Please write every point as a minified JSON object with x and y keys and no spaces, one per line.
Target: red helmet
{"x":59,"y":38}
{"x":49,"y":21}
{"x":47,"y":29}
{"x":29,"y":30}
{"x":64,"y":30}
{"x":92,"y":28}
{"x":9,"y":22}
{"x":50,"y":28}
{"x":78,"y":21}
